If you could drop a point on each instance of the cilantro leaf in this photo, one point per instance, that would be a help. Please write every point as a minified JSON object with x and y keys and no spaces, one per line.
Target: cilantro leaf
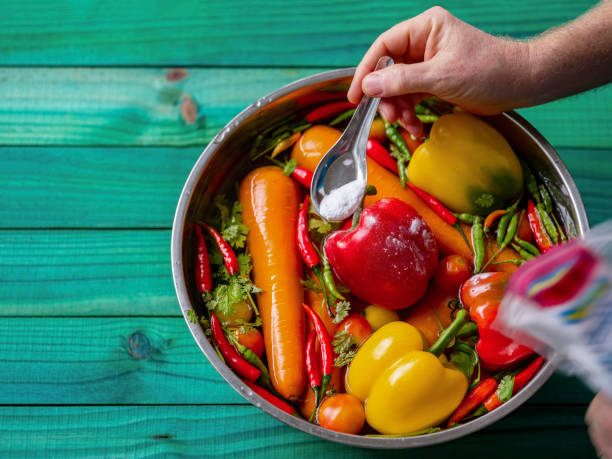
{"x":245,"y":264}
{"x":464,"y":357}
{"x":225,"y":296}
{"x":505,"y":388}
{"x":342,"y":310}
{"x":345,"y":348}
{"x":311,"y":284}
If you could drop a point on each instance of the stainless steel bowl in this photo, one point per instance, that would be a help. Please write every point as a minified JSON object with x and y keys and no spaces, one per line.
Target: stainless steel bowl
{"x":225,"y":161}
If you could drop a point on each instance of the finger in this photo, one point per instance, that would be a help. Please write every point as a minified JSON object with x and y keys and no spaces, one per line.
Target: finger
{"x":404,"y":41}
{"x":388,"y":110}
{"x":400,"y":79}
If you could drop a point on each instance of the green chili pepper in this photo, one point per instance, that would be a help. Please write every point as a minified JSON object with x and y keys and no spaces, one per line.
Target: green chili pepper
{"x":402,"y":171}
{"x":510,"y":233}
{"x":546,"y":199}
{"x":514,"y":261}
{"x":465,"y":218}
{"x":328,"y":278}
{"x":478,"y":243}
{"x":532,"y":249}
{"x":256,"y":143}
{"x":340,"y":118}
{"x":426,"y":118}
{"x":502,"y":227}
{"x":397,"y":139}
{"x":253,"y":359}
{"x":530,"y":181}
{"x":522,"y":252}
{"x":548,"y":224}
{"x":560,"y":229}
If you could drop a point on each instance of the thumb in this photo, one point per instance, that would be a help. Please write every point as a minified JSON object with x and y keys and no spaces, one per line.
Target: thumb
{"x":399,"y":79}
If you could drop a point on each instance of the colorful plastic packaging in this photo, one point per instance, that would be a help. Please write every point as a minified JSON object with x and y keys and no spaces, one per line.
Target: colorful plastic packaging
{"x":560,"y":304}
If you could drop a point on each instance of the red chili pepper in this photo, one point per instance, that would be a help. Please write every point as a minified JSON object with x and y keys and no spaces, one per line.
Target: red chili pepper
{"x":380,"y":154}
{"x":319,"y":97}
{"x":313,"y":369}
{"x":267,"y":396}
{"x":435,"y":205}
{"x":302,"y":175}
{"x":327,"y":350}
{"x":494,"y":216}
{"x":229,"y":353}
{"x":305,"y":247}
{"x":537,"y":228}
{"x":472,"y":400}
{"x":203,"y":274}
{"x":229,"y":257}
{"x":520,"y":380}
{"x":328,"y":110}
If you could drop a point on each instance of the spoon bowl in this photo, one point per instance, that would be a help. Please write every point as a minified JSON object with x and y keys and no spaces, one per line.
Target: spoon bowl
{"x":339,"y":181}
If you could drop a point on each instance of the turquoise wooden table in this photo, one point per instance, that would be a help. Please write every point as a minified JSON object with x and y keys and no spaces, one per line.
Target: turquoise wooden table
{"x":104,"y":107}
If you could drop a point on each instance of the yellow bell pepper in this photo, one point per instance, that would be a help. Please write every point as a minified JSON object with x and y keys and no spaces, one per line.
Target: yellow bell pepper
{"x":467,"y":165}
{"x":404,"y":388}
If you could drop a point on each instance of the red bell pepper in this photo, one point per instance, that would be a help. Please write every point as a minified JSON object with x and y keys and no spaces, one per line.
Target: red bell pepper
{"x":388,"y":258}
{"x":481,"y":295}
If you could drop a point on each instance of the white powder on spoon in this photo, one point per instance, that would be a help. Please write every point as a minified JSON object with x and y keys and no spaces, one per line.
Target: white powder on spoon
{"x":338,"y":204}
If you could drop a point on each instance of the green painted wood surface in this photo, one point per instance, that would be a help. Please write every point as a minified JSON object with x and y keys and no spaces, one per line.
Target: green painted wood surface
{"x":236,"y":33}
{"x":58,"y":187}
{"x":135,"y":360}
{"x":230,"y":431}
{"x":93,"y":155}
{"x":81,"y":106}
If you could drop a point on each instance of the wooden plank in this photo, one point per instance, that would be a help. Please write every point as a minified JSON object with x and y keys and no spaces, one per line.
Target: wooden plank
{"x":243,"y":431}
{"x":139,"y":187}
{"x":190,"y":32}
{"x":134,"y":360}
{"x":120,"y":107}
{"x":80,"y":273}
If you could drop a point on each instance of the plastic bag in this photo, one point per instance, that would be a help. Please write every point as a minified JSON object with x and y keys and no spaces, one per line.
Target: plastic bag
{"x":560,"y":305}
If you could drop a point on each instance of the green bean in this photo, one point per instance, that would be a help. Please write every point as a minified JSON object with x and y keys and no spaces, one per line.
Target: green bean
{"x":510,"y":233}
{"x":530,"y":181}
{"x":546,"y":199}
{"x":548,"y":224}
{"x":397,"y":139}
{"x":465,"y":218}
{"x":527,"y":246}
{"x":514,"y":261}
{"x":328,"y":278}
{"x":478,"y":243}
{"x":340,"y":118}
{"x":401,"y":164}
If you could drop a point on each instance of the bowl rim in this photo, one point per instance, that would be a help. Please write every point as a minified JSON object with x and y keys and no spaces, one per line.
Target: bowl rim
{"x":178,"y":229}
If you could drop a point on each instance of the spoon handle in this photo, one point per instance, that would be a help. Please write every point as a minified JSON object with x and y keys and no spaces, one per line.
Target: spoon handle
{"x":361,"y":122}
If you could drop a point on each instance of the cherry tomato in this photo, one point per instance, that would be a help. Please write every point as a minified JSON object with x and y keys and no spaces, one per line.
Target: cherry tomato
{"x":306,"y":403}
{"x":342,"y":413}
{"x":357,"y":326}
{"x":377,"y":316}
{"x":313,"y":143}
{"x":377,"y":131}
{"x":242,"y":313}
{"x":452,"y":271}
{"x":252,"y":339}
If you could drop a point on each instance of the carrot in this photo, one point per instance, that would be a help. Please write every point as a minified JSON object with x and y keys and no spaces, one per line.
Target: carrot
{"x":270,"y":203}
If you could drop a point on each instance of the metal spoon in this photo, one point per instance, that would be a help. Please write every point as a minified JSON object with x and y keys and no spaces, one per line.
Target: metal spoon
{"x":339,"y":181}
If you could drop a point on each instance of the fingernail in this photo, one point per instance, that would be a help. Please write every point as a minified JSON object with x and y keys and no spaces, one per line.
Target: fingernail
{"x":372,"y":85}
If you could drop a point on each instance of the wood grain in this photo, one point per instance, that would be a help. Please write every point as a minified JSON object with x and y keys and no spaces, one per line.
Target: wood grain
{"x":236,"y":33}
{"x":121,"y":107}
{"x":134,"y":360}
{"x":80,"y":273}
{"x":139,"y":187}
{"x":243,"y":431}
